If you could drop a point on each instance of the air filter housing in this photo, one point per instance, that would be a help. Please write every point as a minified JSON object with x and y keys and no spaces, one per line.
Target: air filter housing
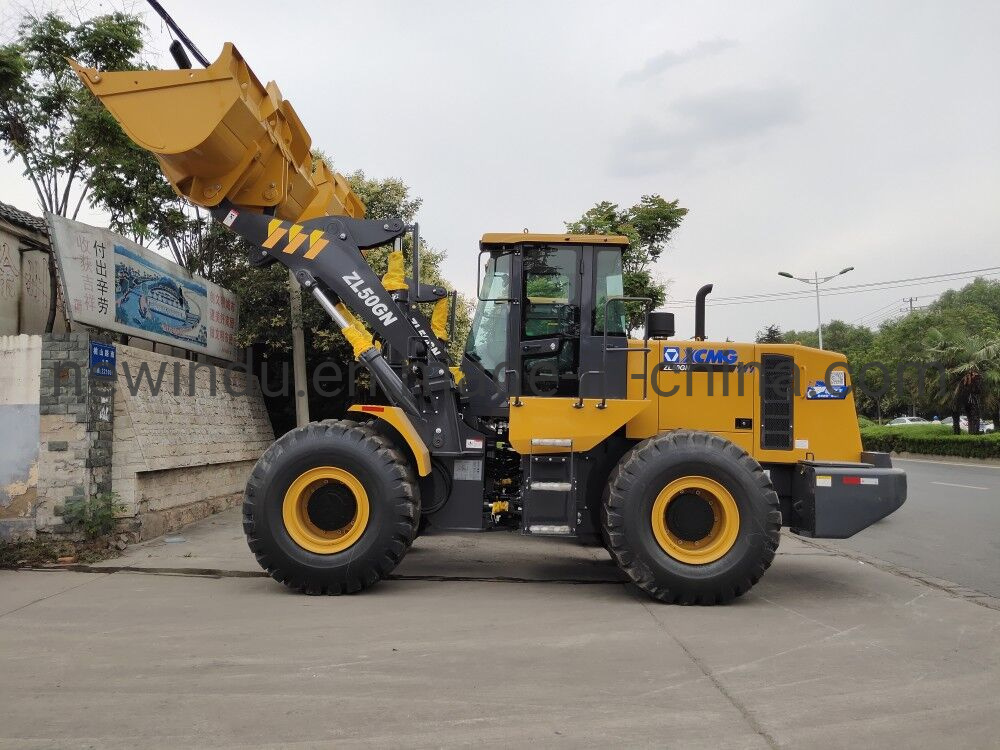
{"x":660,"y":325}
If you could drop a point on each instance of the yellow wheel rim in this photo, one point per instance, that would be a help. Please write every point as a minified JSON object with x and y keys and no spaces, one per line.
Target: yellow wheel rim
{"x":724,"y":520}
{"x":308,"y":501}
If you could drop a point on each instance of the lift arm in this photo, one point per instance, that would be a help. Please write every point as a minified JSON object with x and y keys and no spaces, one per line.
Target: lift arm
{"x":232,"y":145}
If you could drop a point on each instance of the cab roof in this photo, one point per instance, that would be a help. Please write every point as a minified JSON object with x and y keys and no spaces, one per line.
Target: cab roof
{"x":518,"y":238}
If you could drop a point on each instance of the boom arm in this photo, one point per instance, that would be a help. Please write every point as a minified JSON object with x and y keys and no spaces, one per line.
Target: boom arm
{"x":230,"y":144}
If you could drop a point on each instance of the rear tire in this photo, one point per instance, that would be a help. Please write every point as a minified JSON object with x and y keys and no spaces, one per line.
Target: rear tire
{"x":691,"y":518}
{"x":330,"y":508}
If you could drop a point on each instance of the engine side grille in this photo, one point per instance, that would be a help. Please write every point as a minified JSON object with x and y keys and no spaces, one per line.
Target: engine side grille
{"x":777,"y":391}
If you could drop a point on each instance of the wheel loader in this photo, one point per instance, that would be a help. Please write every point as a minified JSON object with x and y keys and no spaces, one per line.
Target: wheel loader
{"x":683,"y":457}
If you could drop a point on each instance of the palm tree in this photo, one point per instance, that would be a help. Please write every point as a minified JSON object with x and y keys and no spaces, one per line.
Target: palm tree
{"x":971,"y":365}
{"x":991,"y":399}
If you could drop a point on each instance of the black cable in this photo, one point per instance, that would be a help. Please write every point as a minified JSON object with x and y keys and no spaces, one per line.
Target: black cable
{"x":837,"y":291}
{"x":162,"y":13}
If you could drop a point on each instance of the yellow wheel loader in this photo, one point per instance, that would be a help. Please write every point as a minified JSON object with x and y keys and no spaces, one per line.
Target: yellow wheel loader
{"x":684,"y":458}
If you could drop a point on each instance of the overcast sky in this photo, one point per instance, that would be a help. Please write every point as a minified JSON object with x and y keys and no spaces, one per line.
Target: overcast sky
{"x":801,"y":136}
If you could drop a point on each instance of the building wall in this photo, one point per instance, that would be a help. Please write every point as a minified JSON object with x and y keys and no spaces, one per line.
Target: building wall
{"x":25,"y":283}
{"x":10,"y":282}
{"x":20,"y":363}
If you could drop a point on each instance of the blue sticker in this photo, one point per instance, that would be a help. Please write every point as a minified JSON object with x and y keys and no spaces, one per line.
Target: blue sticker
{"x":820,"y":391}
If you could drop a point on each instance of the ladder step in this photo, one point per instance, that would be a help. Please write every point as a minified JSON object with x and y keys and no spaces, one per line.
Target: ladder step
{"x":550,"y":530}
{"x":553,"y":442}
{"x":552,"y":486}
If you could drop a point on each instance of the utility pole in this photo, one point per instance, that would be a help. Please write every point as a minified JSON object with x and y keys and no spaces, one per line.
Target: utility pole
{"x":815,"y":281}
{"x":298,"y":353}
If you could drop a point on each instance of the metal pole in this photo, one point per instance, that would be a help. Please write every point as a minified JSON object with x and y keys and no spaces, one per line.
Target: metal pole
{"x":298,"y":353}
{"x":819,"y":317}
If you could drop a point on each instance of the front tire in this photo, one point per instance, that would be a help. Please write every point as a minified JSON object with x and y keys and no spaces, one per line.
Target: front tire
{"x":691,"y":518}
{"x":330,"y":508}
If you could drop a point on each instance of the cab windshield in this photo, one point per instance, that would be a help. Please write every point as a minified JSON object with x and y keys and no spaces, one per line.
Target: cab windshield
{"x":487,"y":343}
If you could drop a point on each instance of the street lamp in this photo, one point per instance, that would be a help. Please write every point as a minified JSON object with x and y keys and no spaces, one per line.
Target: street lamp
{"x":816,"y":281}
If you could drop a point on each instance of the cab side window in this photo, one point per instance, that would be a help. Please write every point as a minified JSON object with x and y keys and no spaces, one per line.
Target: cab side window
{"x":551,"y":292}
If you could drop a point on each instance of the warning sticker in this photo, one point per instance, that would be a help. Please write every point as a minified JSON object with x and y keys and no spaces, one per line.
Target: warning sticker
{"x":230,"y":218}
{"x":824,"y":480}
{"x":802,"y":445}
{"x":468,"y":470}
{"x":869,"y":480}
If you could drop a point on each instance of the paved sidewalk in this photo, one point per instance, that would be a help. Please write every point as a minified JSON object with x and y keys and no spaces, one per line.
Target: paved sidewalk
{"x":546,"y":646}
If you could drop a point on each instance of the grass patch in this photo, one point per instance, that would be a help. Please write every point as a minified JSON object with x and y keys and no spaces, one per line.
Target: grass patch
{"x":931,"y":439}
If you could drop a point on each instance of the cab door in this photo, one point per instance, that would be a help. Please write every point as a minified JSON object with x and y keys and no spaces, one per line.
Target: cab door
{"x":549,"y":346}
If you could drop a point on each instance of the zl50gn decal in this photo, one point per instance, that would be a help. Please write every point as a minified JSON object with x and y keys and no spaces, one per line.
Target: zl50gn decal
{"x":367,"y":295}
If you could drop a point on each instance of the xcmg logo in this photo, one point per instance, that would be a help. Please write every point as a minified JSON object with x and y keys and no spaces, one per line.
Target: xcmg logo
{"x":676,"y":355}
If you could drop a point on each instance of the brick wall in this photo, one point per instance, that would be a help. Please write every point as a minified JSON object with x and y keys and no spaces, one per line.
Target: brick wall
{"x":64,"y":439}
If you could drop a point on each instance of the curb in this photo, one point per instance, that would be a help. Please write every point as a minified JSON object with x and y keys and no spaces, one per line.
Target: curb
{"x":961,"y":592}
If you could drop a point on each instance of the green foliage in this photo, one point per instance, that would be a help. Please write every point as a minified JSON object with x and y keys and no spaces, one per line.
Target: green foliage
{"x":960,"y":332}
{"x":93,"y":516}
{"x":770,"y":335}
{"x":973,"y":371}
{"x":648,"y":225}
{"x":61,"y":135}
{"x":864,"y":422}
{"x":932,"y":440}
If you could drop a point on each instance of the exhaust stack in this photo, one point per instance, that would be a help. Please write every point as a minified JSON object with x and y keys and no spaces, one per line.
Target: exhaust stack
{"x":699,"y":312}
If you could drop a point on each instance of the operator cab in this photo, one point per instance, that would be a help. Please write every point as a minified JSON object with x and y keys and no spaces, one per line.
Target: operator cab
{"x":539,"y":327}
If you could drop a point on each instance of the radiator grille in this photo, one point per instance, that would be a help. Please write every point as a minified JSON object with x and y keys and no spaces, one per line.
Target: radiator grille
{"x":777,"y":390}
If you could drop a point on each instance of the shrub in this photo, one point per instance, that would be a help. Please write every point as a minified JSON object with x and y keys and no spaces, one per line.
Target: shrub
{"x":930,"y":439}
{"x":864,"y":422}
{"x":93,"y":516}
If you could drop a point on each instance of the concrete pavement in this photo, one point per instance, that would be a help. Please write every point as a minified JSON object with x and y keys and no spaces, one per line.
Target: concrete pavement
{"x":545,"y":646}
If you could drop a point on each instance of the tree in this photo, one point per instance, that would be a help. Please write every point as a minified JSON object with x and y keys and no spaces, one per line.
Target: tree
{"x":770,"y":335}
{"x":59,"y":133}
{"x":971,"y":369}
{"x":648,"y":224}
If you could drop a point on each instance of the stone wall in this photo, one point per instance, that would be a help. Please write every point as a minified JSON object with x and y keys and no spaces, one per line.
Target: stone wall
{"x":75,"y":434}
{"x":185,"y":439}
{"x":173,"y":453}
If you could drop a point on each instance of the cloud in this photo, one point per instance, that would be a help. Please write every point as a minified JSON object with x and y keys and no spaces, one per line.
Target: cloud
{"x":694,"y":123}
{"x":670,"y":59}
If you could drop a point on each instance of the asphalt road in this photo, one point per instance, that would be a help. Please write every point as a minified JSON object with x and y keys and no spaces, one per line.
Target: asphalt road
{"x":948,"y":528}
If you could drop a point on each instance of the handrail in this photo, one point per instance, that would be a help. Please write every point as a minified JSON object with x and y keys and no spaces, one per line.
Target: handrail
{"x":644,"y":350}
{"x":579,"y":401}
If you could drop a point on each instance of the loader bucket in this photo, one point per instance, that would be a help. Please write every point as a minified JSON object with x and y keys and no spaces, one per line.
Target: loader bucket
{"x":218,"y":133}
